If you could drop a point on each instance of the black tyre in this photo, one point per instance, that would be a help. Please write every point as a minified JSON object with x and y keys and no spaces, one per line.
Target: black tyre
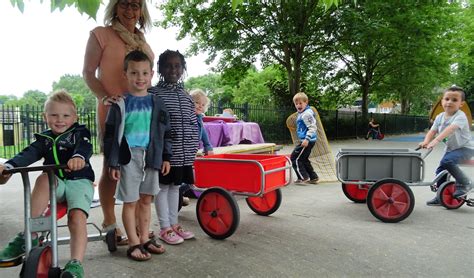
{"x":267,"y":204}
{"x":390,"y":200}
{"x":38,"y":264}
{"x":445,"y":195}
{"x":217,"y":213}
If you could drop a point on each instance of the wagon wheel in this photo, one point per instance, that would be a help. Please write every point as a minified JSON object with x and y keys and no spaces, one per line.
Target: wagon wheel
{"x":111,"y":240}
{"x":38,"y":263}
{"x":390,"y":200}
{"x":356,"y":192}
{"x":218,"y":213}
{"x":267,"y":204}
{"x":446,"y":198}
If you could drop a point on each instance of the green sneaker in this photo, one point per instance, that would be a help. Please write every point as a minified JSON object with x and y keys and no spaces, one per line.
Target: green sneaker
{"x":15,"y":249}
{"x":73,"y":269}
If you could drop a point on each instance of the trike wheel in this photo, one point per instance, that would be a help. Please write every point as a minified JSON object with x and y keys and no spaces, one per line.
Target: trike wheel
{"x":356,"y":192}
{"x":38,"y":263}
{"x":217,"y":213}
{"x":390,"y":200}
{"x":446,"y":198}
{"x":267,"y":204}
{"x":111,"y":240}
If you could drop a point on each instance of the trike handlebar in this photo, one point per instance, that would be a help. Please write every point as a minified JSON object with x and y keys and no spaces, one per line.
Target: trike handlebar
{"x":34,"y":169}
{"x":426,"y":153}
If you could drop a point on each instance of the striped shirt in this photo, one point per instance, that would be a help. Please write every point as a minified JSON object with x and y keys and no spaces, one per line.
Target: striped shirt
{"x":184,"y":127}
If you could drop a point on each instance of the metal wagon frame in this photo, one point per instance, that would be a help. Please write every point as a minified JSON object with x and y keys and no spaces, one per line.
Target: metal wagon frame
{"x":382,"y":178}
{"x":248,"y":175}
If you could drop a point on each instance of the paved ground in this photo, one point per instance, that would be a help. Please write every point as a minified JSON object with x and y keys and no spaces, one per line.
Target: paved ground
{"x":317,"y":232}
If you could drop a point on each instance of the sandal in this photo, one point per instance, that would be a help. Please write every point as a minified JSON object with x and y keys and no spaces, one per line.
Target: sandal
{"x":142,"y":250}
{"x":154,"y":247}
{"x":120,"y":239}
{"x":151,"y":234}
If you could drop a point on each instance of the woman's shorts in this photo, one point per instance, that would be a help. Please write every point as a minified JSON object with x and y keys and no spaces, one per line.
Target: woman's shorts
{"x":178,"y":176}
{"x":135,"y":179}
{"x":77,"y":193}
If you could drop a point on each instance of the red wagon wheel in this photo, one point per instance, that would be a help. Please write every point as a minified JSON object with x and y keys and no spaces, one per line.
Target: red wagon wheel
{"x":38,"y":263}
{"x":267,"y":204}
{"x":390,"y":200}
{"x":356,"y":192}
{"x":217,"y":213}
{"x":446,"y":196}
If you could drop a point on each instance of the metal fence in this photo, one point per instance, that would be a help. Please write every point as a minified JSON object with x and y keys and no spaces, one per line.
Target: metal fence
{"x":18,"y":124}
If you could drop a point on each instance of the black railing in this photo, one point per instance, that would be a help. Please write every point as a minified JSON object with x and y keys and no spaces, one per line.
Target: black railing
{"x":18,"y":124}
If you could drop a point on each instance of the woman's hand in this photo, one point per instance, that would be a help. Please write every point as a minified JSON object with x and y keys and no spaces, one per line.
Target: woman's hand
{"x":109,"y":100}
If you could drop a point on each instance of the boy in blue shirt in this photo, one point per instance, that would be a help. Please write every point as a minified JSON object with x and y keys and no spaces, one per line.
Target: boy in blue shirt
{"x":306,"y":131}
{"x":137,"y":148}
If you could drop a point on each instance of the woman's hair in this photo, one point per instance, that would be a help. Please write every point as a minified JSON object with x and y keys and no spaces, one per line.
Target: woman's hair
{"x":168,"y":54}
{"x":144,"y":22}
{"x":61,"y":96}
{"x":200,"y":95}
{"x":300,"y":96}
{"x":456,"y":89}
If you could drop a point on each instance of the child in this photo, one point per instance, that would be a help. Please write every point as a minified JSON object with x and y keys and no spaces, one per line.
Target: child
{"x":374,"y":129}
{"x":202,"y":102}
{"x":66,"y":142}
{"x":452,"y":127}
{"x":137,"y":147}
{"x":184,"y":135}
{"x":228,"y":112}
{"x":306,"y":132}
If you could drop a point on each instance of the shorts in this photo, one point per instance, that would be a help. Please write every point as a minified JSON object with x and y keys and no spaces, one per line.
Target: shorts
{"x":135,"y":179}
{"x":77,"y":193}
{"x":178,"y":175}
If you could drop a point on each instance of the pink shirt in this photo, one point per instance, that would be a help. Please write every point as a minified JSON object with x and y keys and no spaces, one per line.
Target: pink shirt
{"x":110,"y":71}
{"x":111,"y":63}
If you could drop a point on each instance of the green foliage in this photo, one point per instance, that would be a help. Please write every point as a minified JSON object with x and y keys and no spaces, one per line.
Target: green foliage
{"x":78,"y":89}
{"x":89,"y":7}
{"x":31,"y":98}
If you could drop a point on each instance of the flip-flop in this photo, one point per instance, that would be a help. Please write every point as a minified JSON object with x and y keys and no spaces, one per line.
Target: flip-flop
{"x":155,"y":244}
{"x":142,"y":250}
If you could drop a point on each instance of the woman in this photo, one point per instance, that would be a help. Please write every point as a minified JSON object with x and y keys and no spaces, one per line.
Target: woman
{"x":125,"y":21}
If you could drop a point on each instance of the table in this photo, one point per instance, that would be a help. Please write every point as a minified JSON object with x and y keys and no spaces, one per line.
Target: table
{"x":227,"y":134}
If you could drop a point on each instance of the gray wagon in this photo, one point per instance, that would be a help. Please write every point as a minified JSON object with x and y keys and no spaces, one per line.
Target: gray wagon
{"x":382,"y":178}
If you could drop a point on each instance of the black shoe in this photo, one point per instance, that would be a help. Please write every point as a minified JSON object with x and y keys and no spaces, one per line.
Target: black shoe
{"x":433,"y":202}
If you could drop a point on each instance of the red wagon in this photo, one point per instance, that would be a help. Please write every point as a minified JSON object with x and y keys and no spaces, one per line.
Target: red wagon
{"x":259,"y":177}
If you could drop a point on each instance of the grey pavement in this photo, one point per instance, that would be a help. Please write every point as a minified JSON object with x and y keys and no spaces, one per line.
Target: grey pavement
{"x":317,"y":232}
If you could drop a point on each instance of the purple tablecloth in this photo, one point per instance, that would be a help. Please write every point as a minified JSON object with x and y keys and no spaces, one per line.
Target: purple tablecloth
{"x":226,"y":134}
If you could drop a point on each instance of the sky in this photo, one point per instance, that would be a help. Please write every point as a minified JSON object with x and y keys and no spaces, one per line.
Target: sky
{"x":39,"y":46}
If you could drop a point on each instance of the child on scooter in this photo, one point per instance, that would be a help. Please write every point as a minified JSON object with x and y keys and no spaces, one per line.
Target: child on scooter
{"x":452,"y":128}
{"x":65,"y":142}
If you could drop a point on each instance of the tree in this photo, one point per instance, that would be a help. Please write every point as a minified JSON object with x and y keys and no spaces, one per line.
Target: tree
{"x":396,"y":43}
{"x":78,"y":89}
{"x":285,"y":32}
{"x":91,"y":7}
{"x":32,"y":98}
